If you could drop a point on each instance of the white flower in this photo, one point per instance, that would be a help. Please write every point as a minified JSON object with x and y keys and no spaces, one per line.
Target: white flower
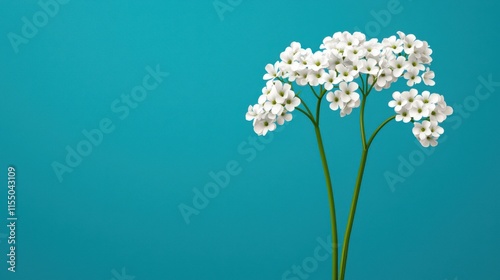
{"x":398,"y":101}
{"x":412,"y":77}
{"x":301,"y":79}
{"x":419,"y":110}
{"x":428,"y":141}
{"x":350,"y":39}
{"x":293,"y":50}
{"x":385,"y":77}
{"x":357,"y":65}
{"x":396,"y":45}
{"x":422,"y":130}
{"x":293,"y":75}
{"x":273,"y":104}
{"x":428,"y":77}
{"x":291,"y":102}
{"x":317,"y":61}
{"x":287,"y":59}
{"x":360,"y":36}
{"x":410,"y":43}
{"x":398,"y":66}
{"x":414,"y":65}
{"x":281,"y":90}
{"x":440,"y":113}
{"x":328,"y":43}
{"x":315,"y":78}
{"x":370,"y":67}
{"x":334,"y":60}
{"x":355,"y":53}
{"x":272,"y":71}
{"x":347,"y":74}
{"x":262,"y":126}
{"x":435,"y":129}
{"x":373,"y":47}
{"x":348,"y":92}
{"x":291,"y":54}
{"x":403,"y":115}
{"x":254,"y":112}
{"x":331,"y":79}
{"x":335,"y":101}
{"x":429,"y":98}
{"x":267,"y":89}
{"x":410,"y":97}
{"x":423,"y":53}
{"x":284,"y":116}
{"x":347,"y":109}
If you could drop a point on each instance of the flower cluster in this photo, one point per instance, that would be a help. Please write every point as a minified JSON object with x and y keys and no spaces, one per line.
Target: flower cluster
{"x":346,"y":68}
{"x":274,"y":106}
{"x":429,"y":108}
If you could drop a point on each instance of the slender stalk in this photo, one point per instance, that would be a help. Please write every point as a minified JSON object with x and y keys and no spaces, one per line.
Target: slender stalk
{"x":362,"y":122}
{"x":362,"y":84}
{"x":378,"y":129}
{"x":371,"y":87}
{"x":307,"y":115}
{"x":359,"y":179}
{"x":307,"y":107}
{"x":350,"y":221}
{"x":331,"y":201}
{"x":318,"y":109}
{"x":313,"y":91}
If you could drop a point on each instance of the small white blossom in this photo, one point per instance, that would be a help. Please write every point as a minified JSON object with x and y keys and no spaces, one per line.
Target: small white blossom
{"x":414,"y":65}
{"x":331,"y":79}
{"x":428,"y":77}
{"x":370,"y":67}
{"x":419,"y":110}
{"x":412,"y":77}
{"x":315,"y":78}
{"x":396,"y":45}
{"x":272,"y":71}
{"x":428,"y":141}
{"x":347,"y":91}
{"x":347,"y":109}
{"x":317,"y":61}
{"x":398,"y":101}
{"x":264,"y":125}
{"x":403,"y":115}
{"x":284,"y":116}
{"x":436,"y":130}
{"x":335,"y":100}
{"x":398,"y":66}
{"x":411,"y":43}
{"x":385,"y":77}
{"x":422,"y":130}
{"x":291,"y":102}
{"x":347,"y":74}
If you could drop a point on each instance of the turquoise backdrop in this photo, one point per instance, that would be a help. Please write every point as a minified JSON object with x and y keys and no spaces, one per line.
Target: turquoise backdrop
{"x":115,"y":114}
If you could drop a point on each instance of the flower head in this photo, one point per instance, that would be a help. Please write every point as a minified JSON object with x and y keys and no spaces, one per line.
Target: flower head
{"x":344,"y":70}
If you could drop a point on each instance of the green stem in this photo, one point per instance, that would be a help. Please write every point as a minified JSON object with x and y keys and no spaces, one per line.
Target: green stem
{"x":378,"y":129}
{"x":362,"y":84}
{"x":311,"y":118}
{"x":362,"y":122}
{"x":350,"y":221}
{"x":314,"y":92}
{"x":305,"y":106}
{"x":318,"y":109}
{"x":371,"y":87}
{"x":357,"y":187}
{"x":332,"y":202}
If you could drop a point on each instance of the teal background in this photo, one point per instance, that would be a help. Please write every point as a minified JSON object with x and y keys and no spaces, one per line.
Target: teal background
{"x":119,"y":207}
